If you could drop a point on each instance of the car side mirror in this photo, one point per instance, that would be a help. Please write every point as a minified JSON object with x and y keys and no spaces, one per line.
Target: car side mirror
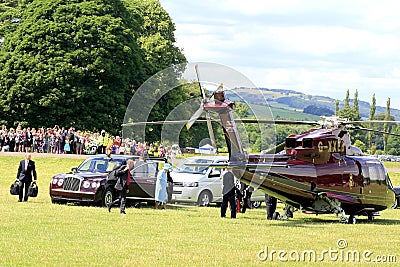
{"x":74,"y":170}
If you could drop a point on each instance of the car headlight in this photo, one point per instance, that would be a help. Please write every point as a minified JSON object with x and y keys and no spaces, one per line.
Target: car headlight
{"x":95,"y":185}
{"x":60,"y":182}
{"x":54,"y":181}
{"x":190,"y":184}
{"x":86,"y":184}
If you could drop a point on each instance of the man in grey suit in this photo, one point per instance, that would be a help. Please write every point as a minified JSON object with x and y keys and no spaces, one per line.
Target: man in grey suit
{"x":26,"y":171}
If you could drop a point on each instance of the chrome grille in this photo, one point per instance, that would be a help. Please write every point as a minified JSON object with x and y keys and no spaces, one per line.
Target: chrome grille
{"x":72,"y":183}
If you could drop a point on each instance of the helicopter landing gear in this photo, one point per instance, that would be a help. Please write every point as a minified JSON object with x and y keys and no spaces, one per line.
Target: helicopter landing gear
{"x":343,"y":218}
{"x":287,"y":212}
{"x":371,"y":217}
{"x":352,"y":219}
{"x":276,"y":216}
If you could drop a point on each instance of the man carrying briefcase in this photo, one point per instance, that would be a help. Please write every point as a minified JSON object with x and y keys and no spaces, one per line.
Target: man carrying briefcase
{"x":26,"y":171}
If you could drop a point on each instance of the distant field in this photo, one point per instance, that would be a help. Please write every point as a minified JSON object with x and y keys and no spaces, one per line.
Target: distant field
{"x":283,"y":113}
{"x":39,"y":233}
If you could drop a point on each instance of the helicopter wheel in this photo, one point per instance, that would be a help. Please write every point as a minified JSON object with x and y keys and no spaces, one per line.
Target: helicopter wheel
{"x":352,"y":219}
{"x":276,"y":216}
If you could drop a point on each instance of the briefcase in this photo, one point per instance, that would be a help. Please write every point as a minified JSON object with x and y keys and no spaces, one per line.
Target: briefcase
{"x":33,"y":190}
{"x":14,"y":189}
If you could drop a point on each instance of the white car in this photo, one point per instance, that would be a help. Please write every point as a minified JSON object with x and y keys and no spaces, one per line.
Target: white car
{"x":202,"y":184}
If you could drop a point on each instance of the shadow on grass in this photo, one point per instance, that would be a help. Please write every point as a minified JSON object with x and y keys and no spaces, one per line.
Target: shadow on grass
{"x":302,"y":222}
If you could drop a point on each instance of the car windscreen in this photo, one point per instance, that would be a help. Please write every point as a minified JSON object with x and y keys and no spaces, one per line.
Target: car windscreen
{"x":98,"y":165}
{"x":189,"y":166}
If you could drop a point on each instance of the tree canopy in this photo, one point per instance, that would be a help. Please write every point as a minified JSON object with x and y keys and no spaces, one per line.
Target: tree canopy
{"x":74,"y":62}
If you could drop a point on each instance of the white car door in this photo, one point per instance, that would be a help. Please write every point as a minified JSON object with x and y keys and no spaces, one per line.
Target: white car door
{"x":215,"y":183}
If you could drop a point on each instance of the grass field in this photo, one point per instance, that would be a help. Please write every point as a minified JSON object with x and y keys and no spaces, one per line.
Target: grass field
{"x":38,"y":233}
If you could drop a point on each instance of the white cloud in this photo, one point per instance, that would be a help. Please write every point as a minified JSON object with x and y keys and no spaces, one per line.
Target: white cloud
{"x":317,"y":47}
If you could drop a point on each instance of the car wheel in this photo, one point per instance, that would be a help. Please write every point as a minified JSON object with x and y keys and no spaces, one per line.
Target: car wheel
{"x":108,"y":196}
{"x":398,"y":203}
{"x":256,"y":204}
{"x":204,"y":199}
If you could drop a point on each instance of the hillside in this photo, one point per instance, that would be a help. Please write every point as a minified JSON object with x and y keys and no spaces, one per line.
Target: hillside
{"x":282,"y":101}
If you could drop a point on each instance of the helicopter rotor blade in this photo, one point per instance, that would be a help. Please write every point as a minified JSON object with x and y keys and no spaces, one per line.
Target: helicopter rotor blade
{"x":372,"y":130}
{"x":195,"y":116}
{"x":371,"y":121}
{"x":198,"y":113}
{"x":266,"y":121}
{"x":159,"y":122}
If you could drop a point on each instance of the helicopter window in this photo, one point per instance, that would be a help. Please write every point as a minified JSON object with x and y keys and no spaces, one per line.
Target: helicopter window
{"x":308,"y":143}
{"x":376,"y":173}
{"x":290,"y":142}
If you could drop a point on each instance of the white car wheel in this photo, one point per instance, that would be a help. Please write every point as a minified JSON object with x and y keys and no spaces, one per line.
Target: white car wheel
{"x":204,"y":199}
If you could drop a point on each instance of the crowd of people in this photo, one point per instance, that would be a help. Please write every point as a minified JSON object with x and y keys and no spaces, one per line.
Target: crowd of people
{"x":60,"y":140}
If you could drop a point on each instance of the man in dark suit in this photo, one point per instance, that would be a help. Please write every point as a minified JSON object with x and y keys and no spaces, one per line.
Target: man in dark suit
{"x":228,"y":192}
{"x":124,"y":179}
{"x":26,"y":171}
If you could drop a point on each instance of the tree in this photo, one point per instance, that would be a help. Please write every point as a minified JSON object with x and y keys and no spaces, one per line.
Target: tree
{"x":386,"y":126}
{"x":360,"y":145}
{"x":371,"y":117}
{"x":346,"y":111}
{"x":394,"y":141}
{"x":336,"y":107}
{"x":5,"y":5}
{"x":78,"y":62}
{"x":157,"y":38}
{"x":347,"y":100}
{"x":356,"y":107}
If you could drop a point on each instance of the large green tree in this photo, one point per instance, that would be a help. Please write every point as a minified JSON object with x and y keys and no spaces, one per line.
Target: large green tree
{"x":74,"y":62}
{"x":5,"y":5}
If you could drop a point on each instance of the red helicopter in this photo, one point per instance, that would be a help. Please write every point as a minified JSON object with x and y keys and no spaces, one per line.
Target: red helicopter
{"x":317,"y":171}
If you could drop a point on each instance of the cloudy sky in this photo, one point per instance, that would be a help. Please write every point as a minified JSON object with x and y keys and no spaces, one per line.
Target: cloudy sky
{"x":315,"y":47}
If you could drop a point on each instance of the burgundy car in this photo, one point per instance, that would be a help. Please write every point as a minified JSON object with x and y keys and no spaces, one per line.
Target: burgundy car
{"x":89,"y":183}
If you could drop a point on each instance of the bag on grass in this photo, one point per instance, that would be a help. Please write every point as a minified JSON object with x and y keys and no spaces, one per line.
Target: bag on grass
{"x":33,"y":190}
{"x":14,"y":189}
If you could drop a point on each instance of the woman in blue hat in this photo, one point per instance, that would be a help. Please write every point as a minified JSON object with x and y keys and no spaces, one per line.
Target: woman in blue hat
{"x":161,"y":186}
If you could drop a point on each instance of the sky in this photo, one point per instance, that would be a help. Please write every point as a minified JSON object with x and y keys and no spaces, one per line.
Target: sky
{"x":314,"y":47}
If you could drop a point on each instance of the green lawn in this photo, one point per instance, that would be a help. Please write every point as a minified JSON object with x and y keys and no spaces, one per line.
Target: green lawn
{"x":38,"y":233}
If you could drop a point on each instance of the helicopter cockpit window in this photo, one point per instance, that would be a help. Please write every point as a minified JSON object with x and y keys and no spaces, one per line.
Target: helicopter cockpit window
{"x":365,"y":174}
{"x":376,"y":173}
{"x":290,"y":143}
{"x":308,"y":143}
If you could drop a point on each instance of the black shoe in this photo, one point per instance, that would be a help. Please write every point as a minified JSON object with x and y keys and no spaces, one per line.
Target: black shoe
{"x":123,"y":212}
{"x":19,"y":200}
{"x":109,"y":207}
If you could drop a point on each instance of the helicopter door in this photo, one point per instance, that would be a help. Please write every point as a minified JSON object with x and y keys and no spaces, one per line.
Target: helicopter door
{"x":351,"y":180}
{"x":374,"y":180}
{"x":379,"y":179}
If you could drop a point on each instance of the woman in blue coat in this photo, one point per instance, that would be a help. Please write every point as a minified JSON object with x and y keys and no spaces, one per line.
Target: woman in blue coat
{"x":161,"y":186}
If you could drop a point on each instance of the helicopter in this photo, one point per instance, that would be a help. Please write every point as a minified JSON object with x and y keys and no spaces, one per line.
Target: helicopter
{"x":318,"y":171}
